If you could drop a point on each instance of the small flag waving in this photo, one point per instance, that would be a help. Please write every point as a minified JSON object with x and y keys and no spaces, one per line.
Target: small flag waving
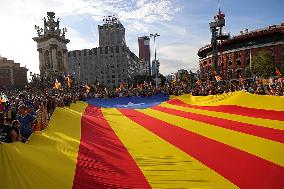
{"x":3,"y":98}
{"x":87,"y":87}
{"x":57,"y":85}
{"x":198,"y":82}
{"x":218,"y":78}
{"x":277,"y":72}
{"x":69,"y":81}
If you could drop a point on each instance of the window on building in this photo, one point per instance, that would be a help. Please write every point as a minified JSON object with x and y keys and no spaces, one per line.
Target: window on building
{"x":117,"y":49}
{"x":230,"y":63}
{"x":79,"y":53}
{"x":85,"y":52}
{"x":122,"y":70}
{"x":239,"y":74}
{"x":108,"y":81}
{"x":238,"y":55}
{"x":90,"y":52}
{"x":106,"y":50}
{"x":95,"y":51}
{"x":113,"y":76}
{"x":74,"y":53}
{"x":239,"y":62}
{"x":111,"y":49}
{"x":69,"y":54}
{"x":113,"y":71}
{"x":101,"y":50}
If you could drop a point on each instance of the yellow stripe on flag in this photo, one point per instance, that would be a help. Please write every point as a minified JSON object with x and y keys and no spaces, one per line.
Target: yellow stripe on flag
{"x":164,"y":165}
{"x":239,"y":98}
{"x":263,"y":148}
{"x":275,"y":124}
{"x":48,"y":160}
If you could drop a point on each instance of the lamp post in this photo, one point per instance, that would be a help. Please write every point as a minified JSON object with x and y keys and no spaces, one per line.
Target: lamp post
{"x":155,"y":58}
{"x":250,"y":58}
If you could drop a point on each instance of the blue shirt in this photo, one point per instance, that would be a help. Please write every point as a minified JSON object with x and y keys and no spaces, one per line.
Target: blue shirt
{"x":26,"y":124}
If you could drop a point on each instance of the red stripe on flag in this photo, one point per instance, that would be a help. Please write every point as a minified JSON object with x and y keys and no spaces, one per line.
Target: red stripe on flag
{"x":237,"y":110}
{"x":103,"y":161}
{"x":263,"y":132}
{"x":243,"y":169}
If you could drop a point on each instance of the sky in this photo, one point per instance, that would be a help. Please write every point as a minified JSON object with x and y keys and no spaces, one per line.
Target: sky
{"x":183,"y":25}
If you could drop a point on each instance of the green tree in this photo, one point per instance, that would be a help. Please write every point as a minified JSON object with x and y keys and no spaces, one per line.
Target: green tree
{"x":263,"y":64}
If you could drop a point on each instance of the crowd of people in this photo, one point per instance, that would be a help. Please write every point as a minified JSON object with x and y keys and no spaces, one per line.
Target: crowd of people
{"x":23,"y":112}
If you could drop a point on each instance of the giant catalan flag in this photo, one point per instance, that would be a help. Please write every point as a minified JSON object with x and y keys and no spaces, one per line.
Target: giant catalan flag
{"x":235,"y":140}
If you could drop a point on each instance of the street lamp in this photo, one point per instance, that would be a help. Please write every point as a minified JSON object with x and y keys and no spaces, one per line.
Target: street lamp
{"x":155,"y":59}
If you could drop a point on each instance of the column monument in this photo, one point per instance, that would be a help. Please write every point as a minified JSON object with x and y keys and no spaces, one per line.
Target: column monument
{"x":51,"y":45}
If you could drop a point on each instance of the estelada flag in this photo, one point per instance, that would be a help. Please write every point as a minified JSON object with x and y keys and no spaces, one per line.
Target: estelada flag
{"x":218,"y":78}
{"x":57,"y":85}
{"x":234,"y":140}
{"x":87,"y":88}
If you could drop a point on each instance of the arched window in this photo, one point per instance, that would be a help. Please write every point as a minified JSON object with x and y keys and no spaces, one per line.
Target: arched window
{"x":230,"y":63}
{"x":239,"y":74}
{"x":47,"y":63}
{"x":60,"y":65}
{"x":239,"y":62}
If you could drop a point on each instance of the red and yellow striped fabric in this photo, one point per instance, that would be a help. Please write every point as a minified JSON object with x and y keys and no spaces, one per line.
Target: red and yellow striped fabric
{"x":235,"y":140}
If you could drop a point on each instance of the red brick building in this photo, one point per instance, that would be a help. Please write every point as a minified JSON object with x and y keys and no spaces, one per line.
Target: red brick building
{"x":144,"y":54}
{"x":235,"y":54}
{"x":11,"y":74}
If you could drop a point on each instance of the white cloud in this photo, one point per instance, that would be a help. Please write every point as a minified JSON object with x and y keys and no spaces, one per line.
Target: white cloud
{"x":78,"y":41}
{"x":177,"y":56}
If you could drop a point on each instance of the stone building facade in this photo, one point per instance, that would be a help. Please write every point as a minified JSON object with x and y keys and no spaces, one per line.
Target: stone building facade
{"x":234,"y":54}
{"x":51,"y":45}
{"x":109,"y":64}
{"x":12,"y":74}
